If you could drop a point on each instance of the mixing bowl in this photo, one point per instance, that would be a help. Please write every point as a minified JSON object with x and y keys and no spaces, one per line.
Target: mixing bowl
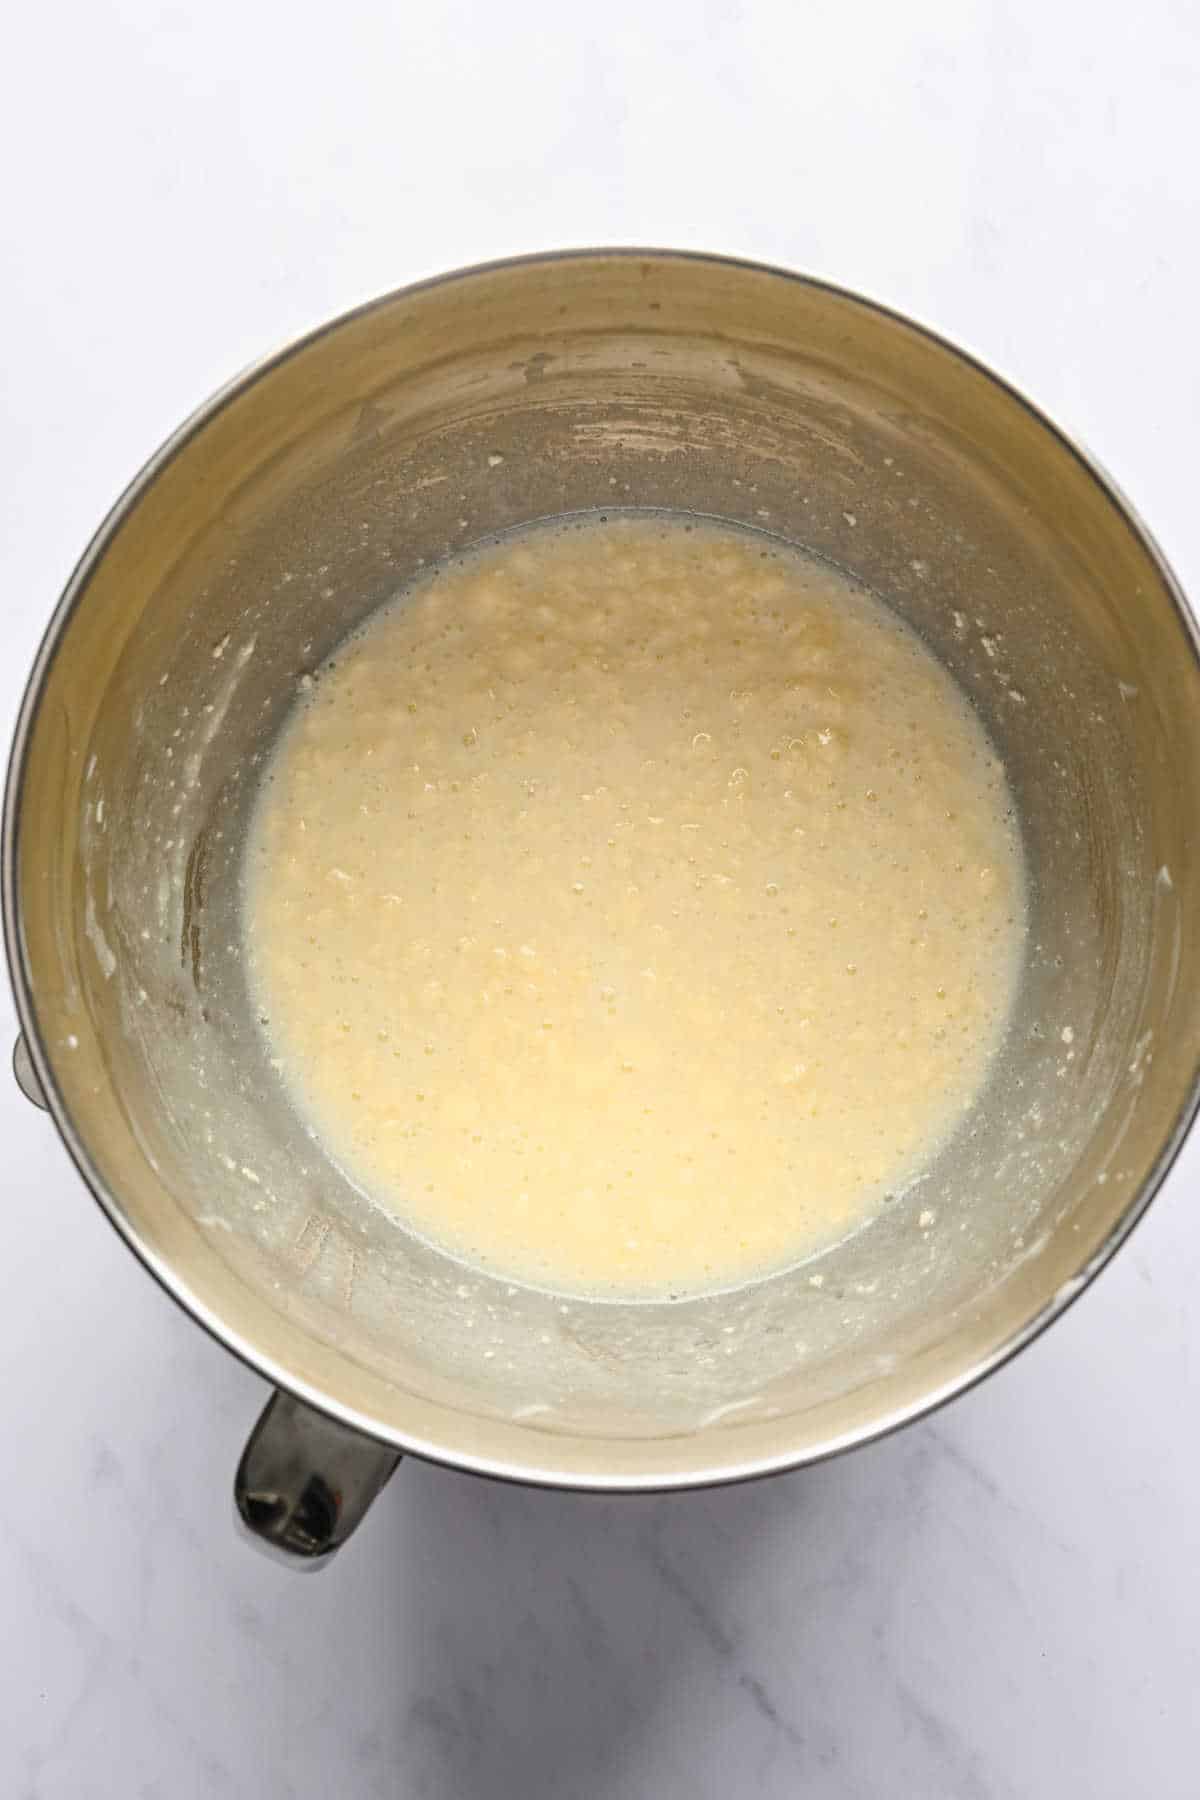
{"x":307,"y":493}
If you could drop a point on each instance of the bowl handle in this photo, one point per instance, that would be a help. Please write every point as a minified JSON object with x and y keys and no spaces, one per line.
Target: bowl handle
{"x":26,"y":1074}
{"x":305,"y":1482}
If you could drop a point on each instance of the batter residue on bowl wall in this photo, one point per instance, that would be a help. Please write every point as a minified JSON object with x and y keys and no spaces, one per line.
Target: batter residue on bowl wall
{"x":632,"y":905}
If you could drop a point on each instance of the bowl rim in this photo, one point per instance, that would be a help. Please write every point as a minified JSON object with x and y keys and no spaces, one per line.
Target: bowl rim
{"x":540,"y":1469}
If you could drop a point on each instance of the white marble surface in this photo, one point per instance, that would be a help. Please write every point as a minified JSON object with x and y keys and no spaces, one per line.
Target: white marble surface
{"x":1003,"y":1602}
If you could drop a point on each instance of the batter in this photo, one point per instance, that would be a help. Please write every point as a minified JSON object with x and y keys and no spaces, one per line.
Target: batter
{"x":633,"y":906}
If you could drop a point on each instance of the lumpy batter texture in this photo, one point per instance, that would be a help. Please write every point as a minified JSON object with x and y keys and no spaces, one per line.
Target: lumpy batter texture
{"x":633,"y":905}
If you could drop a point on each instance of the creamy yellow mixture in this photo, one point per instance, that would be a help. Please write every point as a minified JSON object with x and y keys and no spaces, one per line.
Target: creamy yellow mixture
{"x":633,"y":905}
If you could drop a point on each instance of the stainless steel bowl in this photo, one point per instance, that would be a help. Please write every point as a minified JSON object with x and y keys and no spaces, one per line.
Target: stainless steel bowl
{"x":308,"y":492}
